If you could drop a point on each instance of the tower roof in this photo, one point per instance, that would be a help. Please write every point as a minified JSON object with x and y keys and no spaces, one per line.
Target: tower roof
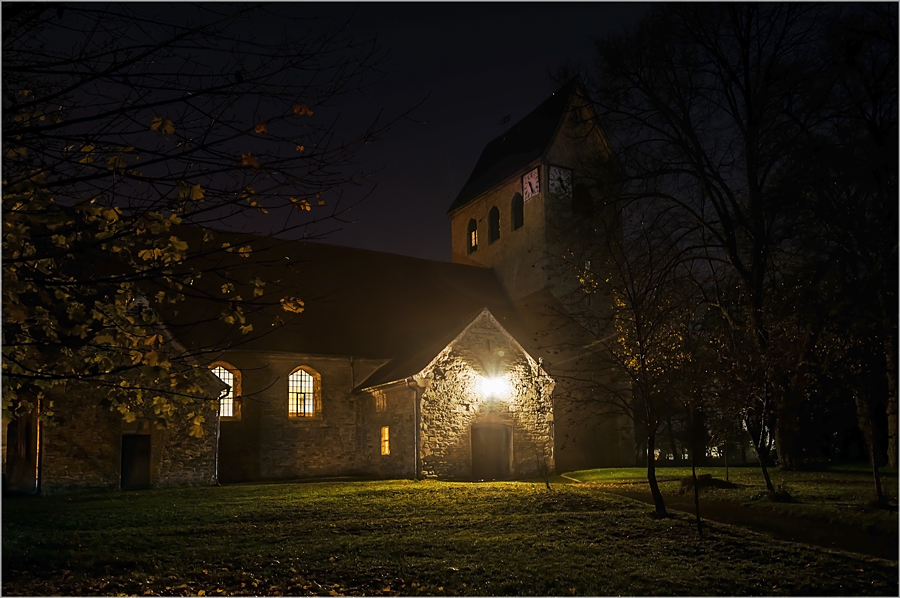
{"x":526,"y":141}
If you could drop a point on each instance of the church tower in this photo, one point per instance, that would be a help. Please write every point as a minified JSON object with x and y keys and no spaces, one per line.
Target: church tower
{"x":528,"y":212}
{"x":526,"y":182}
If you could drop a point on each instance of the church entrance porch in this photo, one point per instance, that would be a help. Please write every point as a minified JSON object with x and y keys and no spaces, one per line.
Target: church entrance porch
{"x":491,"y":452}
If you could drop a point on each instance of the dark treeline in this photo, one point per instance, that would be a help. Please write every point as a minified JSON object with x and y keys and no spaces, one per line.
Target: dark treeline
{"x":753,"y":273}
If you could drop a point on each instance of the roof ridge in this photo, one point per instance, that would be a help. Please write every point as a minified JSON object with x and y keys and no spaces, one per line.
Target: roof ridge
{"x":528,"y":139}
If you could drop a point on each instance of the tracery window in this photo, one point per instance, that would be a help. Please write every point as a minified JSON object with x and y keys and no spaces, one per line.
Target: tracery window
{"x":304,"y":393}
{"x":229,"y":403}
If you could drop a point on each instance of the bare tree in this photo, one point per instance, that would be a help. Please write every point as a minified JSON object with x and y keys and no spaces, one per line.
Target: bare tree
{"x":713,"y":107}
{"x":122,"y":122}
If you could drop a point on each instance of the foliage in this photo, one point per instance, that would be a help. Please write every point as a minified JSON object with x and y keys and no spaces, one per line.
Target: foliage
{"x":401,"y":538}
{"x":121,"y":122}
{"x":761,"y":137}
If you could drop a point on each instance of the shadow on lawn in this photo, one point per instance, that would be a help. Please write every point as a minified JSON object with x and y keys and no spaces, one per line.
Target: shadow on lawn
{"x":792,"y":528}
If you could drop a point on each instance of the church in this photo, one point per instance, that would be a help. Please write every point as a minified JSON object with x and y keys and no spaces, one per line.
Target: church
{"x":397,"y":367}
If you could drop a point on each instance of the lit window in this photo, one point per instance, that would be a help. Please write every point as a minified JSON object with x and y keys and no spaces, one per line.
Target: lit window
{"x":518,"y":211}
{"x":493,"y":225}
{"x":380,"y":401}
{"x":385,"y":441}
{"x":303,"y":393}
{"x":472,"y":237}
{"x":229,"y":404}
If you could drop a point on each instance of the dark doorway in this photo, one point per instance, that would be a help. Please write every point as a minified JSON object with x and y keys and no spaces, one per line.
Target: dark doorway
{"x":135,"y":461}
{"x":491,"y":449}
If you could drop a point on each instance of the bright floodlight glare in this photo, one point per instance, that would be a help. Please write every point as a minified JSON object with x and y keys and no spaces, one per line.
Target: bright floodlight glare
{"x":494,"y":388}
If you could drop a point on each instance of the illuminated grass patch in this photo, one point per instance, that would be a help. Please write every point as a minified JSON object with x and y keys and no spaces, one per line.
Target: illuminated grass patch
{"x":400,"y":537}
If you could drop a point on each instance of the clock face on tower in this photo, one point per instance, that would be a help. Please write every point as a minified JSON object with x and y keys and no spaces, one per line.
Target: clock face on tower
{"x":531,"y":184}
{"x":560,"y":180}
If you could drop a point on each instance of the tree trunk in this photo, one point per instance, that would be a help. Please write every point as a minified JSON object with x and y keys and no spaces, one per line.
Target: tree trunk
{"x":762,"y":462}
{"x":694,"y":475}
{"x":726,"y":460}
{"x":891,"y":358}
{"x":700,"y":439}
{"x":865,"y":418}
{"x":651,"y":476}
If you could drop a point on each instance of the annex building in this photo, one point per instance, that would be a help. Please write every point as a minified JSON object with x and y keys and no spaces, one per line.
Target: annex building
{"x":397,"y":367}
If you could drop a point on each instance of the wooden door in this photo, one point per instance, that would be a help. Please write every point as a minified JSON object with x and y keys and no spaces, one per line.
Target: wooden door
{"x":491,"y":452}
{"x":135,"y":461}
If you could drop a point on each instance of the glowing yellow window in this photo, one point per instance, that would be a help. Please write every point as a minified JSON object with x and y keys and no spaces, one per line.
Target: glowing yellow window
{"x":385,"y":441}
{"x":229,"y":405}
{"x":303,"y":393}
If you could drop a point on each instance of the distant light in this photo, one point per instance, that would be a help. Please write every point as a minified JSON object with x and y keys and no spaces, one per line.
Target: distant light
{"x":494,"y":388}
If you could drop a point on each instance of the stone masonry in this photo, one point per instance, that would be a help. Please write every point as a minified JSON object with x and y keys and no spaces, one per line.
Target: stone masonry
{"x":453,"y":404}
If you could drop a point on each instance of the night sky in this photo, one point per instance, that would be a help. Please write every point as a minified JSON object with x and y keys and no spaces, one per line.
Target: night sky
{"x":476,"y":63}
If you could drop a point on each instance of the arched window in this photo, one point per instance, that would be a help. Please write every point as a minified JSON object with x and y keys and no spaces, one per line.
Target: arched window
{"x":472,"y":236}
{"x":229,"y":401}
{"x":493,"y":225}
{"x":518,"y":211}
{"x":304,"y":394}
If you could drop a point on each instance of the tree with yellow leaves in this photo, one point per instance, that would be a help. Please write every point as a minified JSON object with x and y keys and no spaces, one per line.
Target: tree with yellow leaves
{"x":125,"y":128}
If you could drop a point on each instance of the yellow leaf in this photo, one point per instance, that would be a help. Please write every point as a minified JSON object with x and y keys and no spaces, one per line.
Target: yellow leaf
{"x":302,"y":110}
{"x":300,"y":148}
{"x":261,"y":128}
{"x":151,"y":358}
{"x":178,"y":244}
{"x":301,"y":204}
{"x":292,"y":304}
{"x":14,"y":313}
{"x":249,"y":160}
{"x":163,"y":125}
{"x":88,"y":151}
{"x":16,"y":151}
{"x":245,"y":251}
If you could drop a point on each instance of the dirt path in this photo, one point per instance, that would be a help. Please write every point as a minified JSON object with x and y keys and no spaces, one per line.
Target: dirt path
{"x":793,"y":529}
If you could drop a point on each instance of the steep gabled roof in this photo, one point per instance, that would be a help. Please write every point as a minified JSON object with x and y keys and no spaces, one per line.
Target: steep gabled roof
{"x":525,"y":142}
{"x":408,"y":365}
{"x":357,"y":302}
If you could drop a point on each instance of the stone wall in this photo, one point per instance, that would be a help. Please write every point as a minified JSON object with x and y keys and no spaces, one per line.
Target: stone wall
{"x":394,"y":407}
{"x":517,"y":256}
{"x":82,"y":448}
{"x":183,"y":460}
{"x":453,"y":403}
{"x":327,"y":444}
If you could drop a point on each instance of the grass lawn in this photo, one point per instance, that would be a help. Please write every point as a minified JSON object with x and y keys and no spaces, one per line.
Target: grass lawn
{"x":401,"y":537}
{"x":842,"y":493}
